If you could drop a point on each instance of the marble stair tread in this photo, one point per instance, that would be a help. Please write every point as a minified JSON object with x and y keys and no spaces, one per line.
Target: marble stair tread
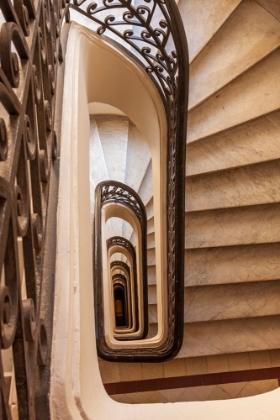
{"x":149,"y":209}
{"x":272,"y":6}
{"x":113,"y":132}
{"x":250,"y":143}
{"x":146,"y":188}
{"x":231,"y":336}
{"x":152,"y":294}
{"x":150,"y":240}
{"x":246,"y":98}
{"x":248,"y":35}
{"x":245,"y":186}
{"x":202,"y":22}
{"x":150,"y":226}
{"x":232,"y":301}
{"x":138,"y":158}
{"x":153,"y":317}
{"x":127,"y":230}
{"x":151,"y":275}
{"x":98,"y":171}
{"x":236,"y":264}
{"x":235,"y":226}
{"x":151,"y":256}
{"x":228,"y":301}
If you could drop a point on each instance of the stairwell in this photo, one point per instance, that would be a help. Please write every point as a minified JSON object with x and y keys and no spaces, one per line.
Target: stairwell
{"x":232,"y":268}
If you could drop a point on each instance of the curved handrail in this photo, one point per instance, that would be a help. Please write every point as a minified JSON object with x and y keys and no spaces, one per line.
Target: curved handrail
{"x":161,"y":48}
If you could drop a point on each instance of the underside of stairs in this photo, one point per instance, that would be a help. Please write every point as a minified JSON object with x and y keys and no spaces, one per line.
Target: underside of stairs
{"x":232,"y":225}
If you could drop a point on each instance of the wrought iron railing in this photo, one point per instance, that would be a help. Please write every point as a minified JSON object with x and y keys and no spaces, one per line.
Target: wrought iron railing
{"x":31,"y":53}
{"x":152,"y":32}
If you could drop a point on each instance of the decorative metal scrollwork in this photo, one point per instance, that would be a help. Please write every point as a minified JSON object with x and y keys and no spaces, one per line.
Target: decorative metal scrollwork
{"x":120,"y":264}
{"x":29,"y":42}
{"x":119,"y":193}
{"x":122,"y":242}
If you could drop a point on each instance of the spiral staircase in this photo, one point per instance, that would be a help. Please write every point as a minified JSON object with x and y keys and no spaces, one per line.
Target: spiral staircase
{"x":232,"y":268}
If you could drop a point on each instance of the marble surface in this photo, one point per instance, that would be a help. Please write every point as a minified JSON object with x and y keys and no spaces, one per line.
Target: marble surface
{"x":252,"y":142}
{"x":237,"y":226}
{"x":151,"y":274}
{"x":113,"y":372}
{"x":151,"y":258}
{"x":232,"y":264}
{"x":150,"y":240}
{"x":152,"y":294}
{"x":272,"y":6}
{"x":231,"y":301}
{"x":98,"y":170}
{"x":146,"y":188}
{"x":138,"y":158}
{"x":153,"y":317}
{"x":223,"y":58}
{"x":202,"y":21}
{"x":206,"y":393}
{"x":231,"y":336}
{"x":113,"y":133}
{"x":149,"y":209}
{"x":250,"y":96}
{"x":150,"y":226}
{"x":245,"y":186}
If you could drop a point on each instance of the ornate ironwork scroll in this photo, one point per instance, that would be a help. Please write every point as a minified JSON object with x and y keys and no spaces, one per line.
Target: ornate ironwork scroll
{"x":120,"y":264}
{"x":122,"y":242}
{"x":119,"y":276}
{"x":152,"y":32}
{"x":31,"y":53}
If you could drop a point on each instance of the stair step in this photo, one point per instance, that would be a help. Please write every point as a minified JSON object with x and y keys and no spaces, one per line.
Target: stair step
{"x":272,"y":6}
{"x":150,"y":226}
{"x":152,"y":294}
{"x":246,"y":186}
{"x":98,"y":171}
{"x":146,"y":188}
{"x":138,"y":157}
{"x":127,"y":230}
{"x":223,"y":58}
{"x":232,"y":301}
{"x":231,"y":336}
{"x":113,"y":132}
{"x":149,"y":209}
{"x":248,"y":97}
{"x":201,"y":23}
{"x":237,"y":226}
{"x":151,"y":256}
{"x":151,"y":275}
{"x":250,"y":143}
{"x":153,"y":316}
{"x":235,"y":264}
{"x":228,"y":301}
{"x":151,"y":240}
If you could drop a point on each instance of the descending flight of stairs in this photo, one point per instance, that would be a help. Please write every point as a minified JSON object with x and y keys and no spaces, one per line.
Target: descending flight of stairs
{"x":232,"y":232}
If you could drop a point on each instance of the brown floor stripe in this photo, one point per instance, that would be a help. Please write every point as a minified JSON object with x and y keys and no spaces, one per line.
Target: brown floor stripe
{"x":192,"y":381}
